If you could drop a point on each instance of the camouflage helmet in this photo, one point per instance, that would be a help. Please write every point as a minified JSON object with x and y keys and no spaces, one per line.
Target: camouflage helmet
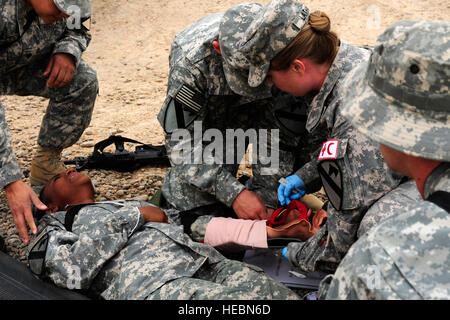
{"x":71,"y":7}
{"x":400,"y":97}
{"x":251,"y":35}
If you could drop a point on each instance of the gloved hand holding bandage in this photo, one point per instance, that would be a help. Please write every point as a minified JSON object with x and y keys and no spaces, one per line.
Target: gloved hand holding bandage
{"x":291,"y":188}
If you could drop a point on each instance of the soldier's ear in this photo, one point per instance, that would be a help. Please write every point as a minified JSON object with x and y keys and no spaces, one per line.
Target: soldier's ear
{"x":298,"y":66}
{"x":216,"y":46}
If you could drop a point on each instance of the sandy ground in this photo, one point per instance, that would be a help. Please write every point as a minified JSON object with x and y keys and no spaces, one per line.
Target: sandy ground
{"x":130,"y":49}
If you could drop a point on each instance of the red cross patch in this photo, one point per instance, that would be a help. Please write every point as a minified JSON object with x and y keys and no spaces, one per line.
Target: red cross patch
{"x":329,"y":150}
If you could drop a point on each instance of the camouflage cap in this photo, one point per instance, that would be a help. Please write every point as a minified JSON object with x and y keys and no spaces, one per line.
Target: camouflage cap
{"x":400,"y":97}
{"x":251,"y":35}
{"x":233,"y":25}
{"x":71,"y":7}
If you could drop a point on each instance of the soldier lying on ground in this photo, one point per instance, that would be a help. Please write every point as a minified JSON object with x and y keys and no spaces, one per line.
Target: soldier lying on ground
{"x":124,"y":250}
{"x":40,"y":55}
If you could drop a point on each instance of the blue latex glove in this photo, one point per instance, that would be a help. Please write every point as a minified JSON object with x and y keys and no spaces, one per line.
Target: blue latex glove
{"x":293,"y":189}
{"x":284,"y":251}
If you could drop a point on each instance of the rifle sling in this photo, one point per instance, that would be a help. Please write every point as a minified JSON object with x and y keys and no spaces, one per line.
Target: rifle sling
{"x":71,"y":213}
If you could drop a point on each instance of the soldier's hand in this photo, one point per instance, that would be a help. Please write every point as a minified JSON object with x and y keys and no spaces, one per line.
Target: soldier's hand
{"x":20,"y":196}
{"x":153,"y":214}
{"x":60,"y":70}
{"x":249,"y":205}
{"x":294,"y":189}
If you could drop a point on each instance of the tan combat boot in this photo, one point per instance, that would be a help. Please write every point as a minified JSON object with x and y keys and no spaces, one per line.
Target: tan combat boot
{"x":46,"y":164}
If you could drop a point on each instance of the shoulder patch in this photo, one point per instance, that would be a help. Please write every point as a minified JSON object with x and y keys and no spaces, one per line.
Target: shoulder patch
{"x":329,"y":150}
{"x":332,"y":181}
{"x":191,"y":99}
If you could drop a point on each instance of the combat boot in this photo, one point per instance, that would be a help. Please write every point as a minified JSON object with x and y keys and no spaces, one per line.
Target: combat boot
{"x":46,"y":164}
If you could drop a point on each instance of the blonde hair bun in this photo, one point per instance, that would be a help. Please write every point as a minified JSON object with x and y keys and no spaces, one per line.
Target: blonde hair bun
{"x":319,"y":21}
{"x":315,"y":41}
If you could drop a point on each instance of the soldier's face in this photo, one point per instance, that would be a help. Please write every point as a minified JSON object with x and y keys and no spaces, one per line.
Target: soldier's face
{"x":296,"y":80}
{"x":47,"y":10}
{"x":70,"y":187}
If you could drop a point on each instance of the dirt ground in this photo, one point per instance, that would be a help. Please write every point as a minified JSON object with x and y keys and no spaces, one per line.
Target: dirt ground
{"x":130,"y":49}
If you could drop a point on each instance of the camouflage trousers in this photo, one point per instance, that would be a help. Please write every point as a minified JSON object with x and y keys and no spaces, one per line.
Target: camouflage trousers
{"x":70,"y":108}
{"x":227,"y":279}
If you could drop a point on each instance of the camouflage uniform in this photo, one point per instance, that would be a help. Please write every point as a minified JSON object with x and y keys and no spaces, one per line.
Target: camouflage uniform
{"x":400,"y":99}
{"x":405,"y":257}
{"x":389,"y":205}
{"x":365,"y":175}
{"x":113,"y":254}
{"x":26,"y":45}
{"x":194,"y":64}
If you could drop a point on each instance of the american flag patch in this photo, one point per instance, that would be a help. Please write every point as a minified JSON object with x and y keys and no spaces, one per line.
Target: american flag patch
{"x":190,"y":99}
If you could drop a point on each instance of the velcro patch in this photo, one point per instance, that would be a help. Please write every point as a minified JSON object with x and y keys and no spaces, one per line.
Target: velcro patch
{"x":329,"y":150}
{"x":301,"y":19}
{"x":191,"y":99}
{"x":331,"y":176}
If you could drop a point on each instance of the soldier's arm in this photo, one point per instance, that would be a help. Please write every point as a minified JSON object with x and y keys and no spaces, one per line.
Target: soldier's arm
{"x":3,"y":30}
{"x":309,"y":174}
{"x":20,"y":196}
{"x":9,"y":167}
{"x":8,"y":25}
{"x":74,"y":42}
{"x":214,"y":178}
{"x":74,"y":258}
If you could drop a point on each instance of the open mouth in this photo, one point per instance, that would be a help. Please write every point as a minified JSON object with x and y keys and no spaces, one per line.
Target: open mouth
{"x":73,"y":175}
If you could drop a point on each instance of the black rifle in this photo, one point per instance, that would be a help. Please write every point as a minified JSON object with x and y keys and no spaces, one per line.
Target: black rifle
{"x":121,"y":160}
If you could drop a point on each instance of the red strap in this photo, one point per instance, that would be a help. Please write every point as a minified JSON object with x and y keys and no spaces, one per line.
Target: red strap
{"x":279,"y":216}
{"x":301,"y":207}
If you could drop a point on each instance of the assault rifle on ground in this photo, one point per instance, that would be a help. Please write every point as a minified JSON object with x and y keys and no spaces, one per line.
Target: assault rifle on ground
{"x":121,"y":160}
